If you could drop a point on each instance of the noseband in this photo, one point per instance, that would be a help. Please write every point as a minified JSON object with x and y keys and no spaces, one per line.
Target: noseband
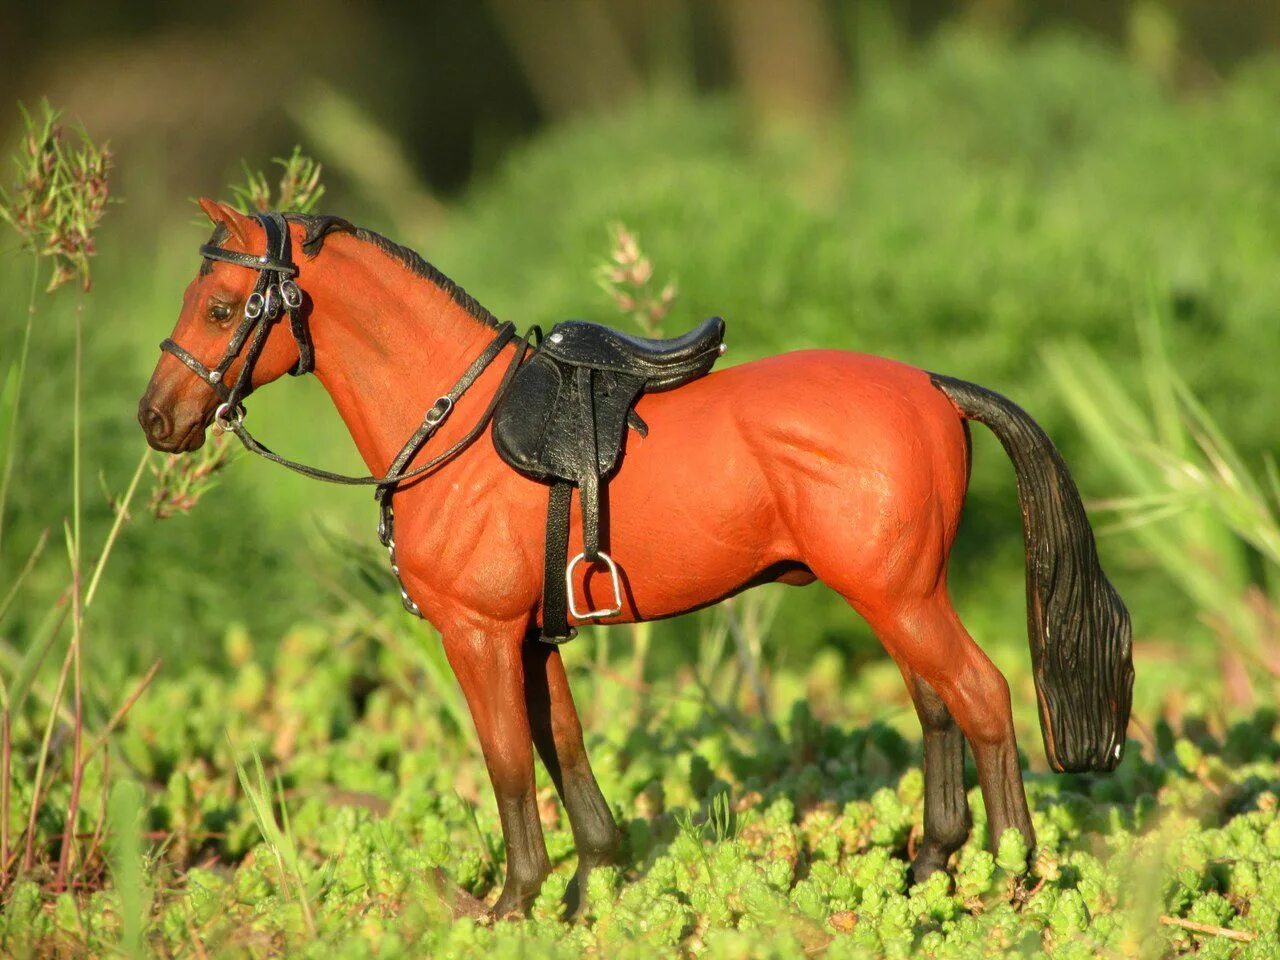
{"x":276,"y":289}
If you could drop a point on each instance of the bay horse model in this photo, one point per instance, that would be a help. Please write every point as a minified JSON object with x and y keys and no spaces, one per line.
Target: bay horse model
{"x":817,"y":465}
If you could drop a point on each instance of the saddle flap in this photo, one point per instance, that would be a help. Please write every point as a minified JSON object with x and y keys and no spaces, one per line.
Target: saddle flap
{"x":564,"y":420}
{"x":550,"y":412}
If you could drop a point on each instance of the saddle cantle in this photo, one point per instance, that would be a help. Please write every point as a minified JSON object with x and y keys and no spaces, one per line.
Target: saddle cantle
{"x":564,"y":420}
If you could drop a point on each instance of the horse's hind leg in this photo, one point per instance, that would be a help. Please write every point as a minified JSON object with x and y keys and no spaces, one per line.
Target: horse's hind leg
{"x":946,"y":803}
{"x":557,"y":733}
{"x":929,"y":638}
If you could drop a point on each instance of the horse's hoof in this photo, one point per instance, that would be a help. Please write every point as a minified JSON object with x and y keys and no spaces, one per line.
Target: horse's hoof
{"x":573,"y":902}
{"x":510,"y":907}
{"x":927,"y":863}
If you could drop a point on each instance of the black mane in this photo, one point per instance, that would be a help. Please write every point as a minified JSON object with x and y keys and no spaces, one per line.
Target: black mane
{"x":319,"y":226}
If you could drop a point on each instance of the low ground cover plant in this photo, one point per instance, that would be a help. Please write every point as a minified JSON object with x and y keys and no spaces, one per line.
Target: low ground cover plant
{"x":359,"y":826}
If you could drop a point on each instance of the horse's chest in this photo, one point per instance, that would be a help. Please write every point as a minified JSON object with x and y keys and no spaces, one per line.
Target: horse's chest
{"x":466,"y":544}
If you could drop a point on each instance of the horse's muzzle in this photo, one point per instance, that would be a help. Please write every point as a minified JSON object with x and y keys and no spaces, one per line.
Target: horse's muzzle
{"x":161,"y":432}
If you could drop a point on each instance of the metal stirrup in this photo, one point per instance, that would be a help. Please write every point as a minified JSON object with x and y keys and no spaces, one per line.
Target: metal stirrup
{"x":617,"y":589}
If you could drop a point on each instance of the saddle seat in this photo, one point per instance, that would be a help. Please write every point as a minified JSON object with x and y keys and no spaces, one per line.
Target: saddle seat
{"x":563,"y":421}
{"x":664,"y":363}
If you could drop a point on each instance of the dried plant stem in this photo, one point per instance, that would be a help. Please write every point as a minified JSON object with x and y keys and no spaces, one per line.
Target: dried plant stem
{"x":1242,"y":936}
{"x":77,"y":758}
{"x":122,"y":514}
{"x":746,"y":640}
{"x":101,"y":739}
{"x":42,"y":762}
{"x":96,"y":840}
{"x":77,"y":618}
{"x":641,"y":634}
{"x":6,"y":765}
{"x":22,"y":576}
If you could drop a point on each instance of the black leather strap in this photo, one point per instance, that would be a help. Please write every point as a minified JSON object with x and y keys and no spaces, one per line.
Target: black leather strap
{"x":274,"y":291}
{"x":429,"y":426}
{"x":555,"y":601}
{"x":169,"y":345}
{"x":250,"y":260}
{"x":589,"y":479}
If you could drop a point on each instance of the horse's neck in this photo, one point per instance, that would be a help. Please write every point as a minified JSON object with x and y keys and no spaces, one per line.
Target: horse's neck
{"x":388,"y":344}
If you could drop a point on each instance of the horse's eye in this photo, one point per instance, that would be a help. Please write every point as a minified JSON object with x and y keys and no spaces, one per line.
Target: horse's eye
{"x":220,"y":312}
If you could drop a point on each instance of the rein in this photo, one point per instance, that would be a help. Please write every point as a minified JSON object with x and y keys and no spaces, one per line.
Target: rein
{"x":276,"y":289}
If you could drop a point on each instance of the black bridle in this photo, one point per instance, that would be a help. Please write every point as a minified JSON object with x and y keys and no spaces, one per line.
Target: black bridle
{"x":276,"y":290}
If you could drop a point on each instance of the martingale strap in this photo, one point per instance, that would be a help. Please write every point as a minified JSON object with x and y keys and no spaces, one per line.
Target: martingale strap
{"x":276,"y":289}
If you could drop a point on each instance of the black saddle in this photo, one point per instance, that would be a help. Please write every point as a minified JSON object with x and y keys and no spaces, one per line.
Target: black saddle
{"x":564,"y":420}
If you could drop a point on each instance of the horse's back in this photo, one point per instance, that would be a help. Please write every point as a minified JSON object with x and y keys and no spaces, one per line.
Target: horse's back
{"x":874,"y":409}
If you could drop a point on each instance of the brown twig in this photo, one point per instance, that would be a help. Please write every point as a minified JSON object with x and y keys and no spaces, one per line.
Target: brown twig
{"x":1243,"y":936}
{"x":125,"y":707}
{"x":195,"y":937}
{"x":77,"y":754}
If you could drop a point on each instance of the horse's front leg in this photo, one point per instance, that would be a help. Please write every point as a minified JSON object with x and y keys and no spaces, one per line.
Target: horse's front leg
{"x":557,"y":733}
{"x":488,"y":665}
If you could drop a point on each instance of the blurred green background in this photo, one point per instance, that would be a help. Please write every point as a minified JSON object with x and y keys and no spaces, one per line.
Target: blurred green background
{"x":957,"y":185}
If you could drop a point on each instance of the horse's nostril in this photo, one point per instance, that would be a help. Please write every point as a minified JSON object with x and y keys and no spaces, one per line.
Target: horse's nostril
{"x":155,"y":423}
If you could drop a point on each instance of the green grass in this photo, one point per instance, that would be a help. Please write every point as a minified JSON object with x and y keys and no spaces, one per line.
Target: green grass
{"x":359,"y":814}
{"x":301,"y":778}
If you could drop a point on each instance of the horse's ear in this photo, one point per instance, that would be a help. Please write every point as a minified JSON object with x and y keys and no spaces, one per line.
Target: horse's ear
{"x":229,"y":216}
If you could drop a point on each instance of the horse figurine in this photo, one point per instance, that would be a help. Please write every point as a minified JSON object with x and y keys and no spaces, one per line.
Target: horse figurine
{"x":816,"y":465}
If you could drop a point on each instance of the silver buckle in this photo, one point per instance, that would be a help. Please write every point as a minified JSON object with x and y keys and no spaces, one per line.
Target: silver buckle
{"x":253,"y":306}
{"x":291,"y":294}
{"x":617,"y":589}
{"x":438,"y":411}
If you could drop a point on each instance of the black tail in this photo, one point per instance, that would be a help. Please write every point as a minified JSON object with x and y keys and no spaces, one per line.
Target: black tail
{"x":1081,"y":648}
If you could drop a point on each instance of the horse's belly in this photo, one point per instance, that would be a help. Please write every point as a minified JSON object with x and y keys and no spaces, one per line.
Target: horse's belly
{"x":690,"y":517}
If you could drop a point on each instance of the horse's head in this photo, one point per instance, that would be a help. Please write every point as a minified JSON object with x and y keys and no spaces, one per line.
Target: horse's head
{"x":227,"y":321}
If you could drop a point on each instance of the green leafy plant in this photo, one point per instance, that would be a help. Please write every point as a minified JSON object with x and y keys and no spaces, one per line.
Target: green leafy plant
{"x":181,"y":480}
{"x":61,"y":194}
{"x":298,"y":191}
{"x":55,"y":210}
{"x":55,"y":207}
